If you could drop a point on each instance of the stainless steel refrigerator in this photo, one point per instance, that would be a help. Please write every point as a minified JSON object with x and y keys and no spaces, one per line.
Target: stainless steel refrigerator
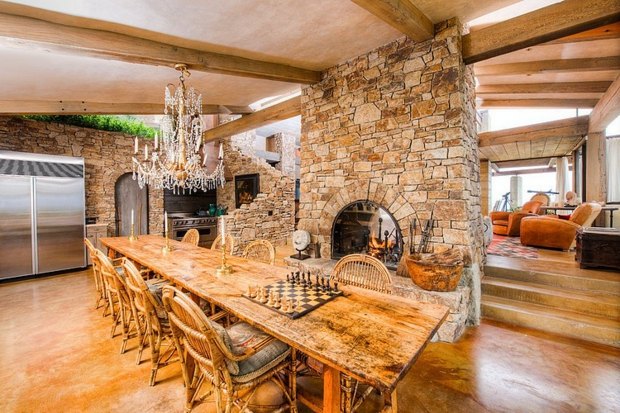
{"x":41,"y":214}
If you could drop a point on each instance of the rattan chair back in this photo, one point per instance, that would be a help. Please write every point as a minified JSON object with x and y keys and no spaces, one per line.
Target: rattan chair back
{"x":192,"y":236}
{"x":139,"y":290}
{"x":193,"y":329}
{"x":260,"y":250}
{"x":96,"y":269}
{"x":363,"y":271}
{"x":230,"y":243}
{"x":109,"y":275}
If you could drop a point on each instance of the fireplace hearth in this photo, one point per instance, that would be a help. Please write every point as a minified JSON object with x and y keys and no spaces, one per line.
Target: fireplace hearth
{"x":364,"y":227}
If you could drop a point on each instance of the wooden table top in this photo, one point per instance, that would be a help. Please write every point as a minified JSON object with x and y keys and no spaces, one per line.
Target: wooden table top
{"x":370,"y":336}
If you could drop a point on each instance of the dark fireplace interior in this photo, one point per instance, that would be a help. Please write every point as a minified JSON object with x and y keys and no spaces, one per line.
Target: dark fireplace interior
{"x":364,"y":227}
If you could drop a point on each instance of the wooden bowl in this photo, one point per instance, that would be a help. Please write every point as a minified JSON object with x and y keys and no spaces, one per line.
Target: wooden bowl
{"x":436,"y":272}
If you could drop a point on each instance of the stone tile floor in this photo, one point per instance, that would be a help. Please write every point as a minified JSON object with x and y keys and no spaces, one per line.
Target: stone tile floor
{"x":57,"y":355}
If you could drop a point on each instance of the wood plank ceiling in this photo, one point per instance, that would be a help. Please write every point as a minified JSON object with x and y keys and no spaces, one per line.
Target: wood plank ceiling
{"x":110,"y":57}
{"x":571,"y":72}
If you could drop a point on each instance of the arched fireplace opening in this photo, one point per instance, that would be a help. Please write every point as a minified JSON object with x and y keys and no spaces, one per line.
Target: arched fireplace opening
{"x":363,"y":227}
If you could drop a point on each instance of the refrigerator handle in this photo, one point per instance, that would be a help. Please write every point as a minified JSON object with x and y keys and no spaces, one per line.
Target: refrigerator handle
{"x":33,"y":223}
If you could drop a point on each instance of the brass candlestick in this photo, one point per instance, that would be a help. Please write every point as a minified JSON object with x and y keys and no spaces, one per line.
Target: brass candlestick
{"x":132,"y":236}
{"x":166,"y":249}
{"x":224,"y":269}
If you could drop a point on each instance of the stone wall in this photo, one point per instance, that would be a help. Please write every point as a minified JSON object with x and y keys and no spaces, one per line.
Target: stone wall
{"x":272,"y":214}
{"x":107,"y":156}
{"x":397,"y":126}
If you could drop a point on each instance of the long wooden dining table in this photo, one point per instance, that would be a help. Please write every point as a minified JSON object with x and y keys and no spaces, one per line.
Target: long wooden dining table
{"x":369,"y":336}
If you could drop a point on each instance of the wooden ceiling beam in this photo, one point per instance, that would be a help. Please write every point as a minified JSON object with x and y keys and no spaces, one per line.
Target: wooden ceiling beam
{"x":524,"y":163}
{"x":549,"y":23}
{"x":65,"y":107}
{"x":26,"y":31}
{"x":284,"y":110}
{"x":567,"y":87}
{"x":525,"y":171}
{"x":607,"y":109}
{"x":537,"y":103}
{"x":550,"y":66}
{"x":403,"y":15}
{"x":607,"y":32}
{"x":555,"y":129}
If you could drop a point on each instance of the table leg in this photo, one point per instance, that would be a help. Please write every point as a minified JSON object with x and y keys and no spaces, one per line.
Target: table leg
{"x":391,"y":403}
{"x":111,"y":253}
{"x":331,"y":390}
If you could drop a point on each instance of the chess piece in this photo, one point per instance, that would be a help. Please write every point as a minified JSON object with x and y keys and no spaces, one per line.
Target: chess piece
{"x":250,"y":292}
{"x":277,"y":302}
{"x":298,"y":308}
{"x":336,"y":287}
{"x":263,"y":296}
{"x":297,"y":277}
{"x":288,"y":277}
{"x":289,"y":307}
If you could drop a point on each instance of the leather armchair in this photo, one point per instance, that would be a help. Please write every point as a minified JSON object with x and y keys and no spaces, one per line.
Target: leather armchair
{"x":509,"y":223}
{"x":551,"y":232}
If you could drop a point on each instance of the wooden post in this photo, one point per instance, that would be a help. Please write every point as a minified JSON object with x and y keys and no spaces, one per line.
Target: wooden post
{"x":331,"y":390}
{"x":596,"y":171}
{"x":485,"y":186}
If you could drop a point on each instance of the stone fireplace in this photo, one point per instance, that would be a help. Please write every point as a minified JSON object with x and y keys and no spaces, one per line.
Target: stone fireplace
{"x":363,"y":227}
{"x":396,"y":127}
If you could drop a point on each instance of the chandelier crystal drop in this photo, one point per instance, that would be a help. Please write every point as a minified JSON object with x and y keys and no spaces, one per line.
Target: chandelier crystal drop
{"x":178,"y":161}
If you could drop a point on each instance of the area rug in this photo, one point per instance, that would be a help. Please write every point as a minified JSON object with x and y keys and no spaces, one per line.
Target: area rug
{"x":511,"y":247}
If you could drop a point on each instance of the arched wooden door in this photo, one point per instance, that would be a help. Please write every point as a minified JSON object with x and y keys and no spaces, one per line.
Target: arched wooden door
{"x":127,"y":197}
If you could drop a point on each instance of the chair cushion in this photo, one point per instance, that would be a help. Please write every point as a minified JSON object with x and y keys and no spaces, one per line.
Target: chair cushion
{"x":155,"y":288}
{"x":243,"y":337}
{"x":501,"y":222}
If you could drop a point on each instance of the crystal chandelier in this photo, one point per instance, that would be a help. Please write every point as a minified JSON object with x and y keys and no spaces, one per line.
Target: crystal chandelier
{"x":178,"y":162}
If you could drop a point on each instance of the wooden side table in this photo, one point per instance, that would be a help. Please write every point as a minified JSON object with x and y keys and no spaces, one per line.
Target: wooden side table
{"x":598,"y":247}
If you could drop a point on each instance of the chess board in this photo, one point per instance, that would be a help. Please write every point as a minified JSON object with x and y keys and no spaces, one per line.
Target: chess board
{"x":309,"y":298}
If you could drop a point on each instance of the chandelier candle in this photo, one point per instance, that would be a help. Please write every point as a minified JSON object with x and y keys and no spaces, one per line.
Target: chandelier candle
{"x":177,"y":161}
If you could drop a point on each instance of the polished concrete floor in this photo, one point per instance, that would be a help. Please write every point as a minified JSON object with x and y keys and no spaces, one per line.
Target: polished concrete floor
{"x":57,"y":356}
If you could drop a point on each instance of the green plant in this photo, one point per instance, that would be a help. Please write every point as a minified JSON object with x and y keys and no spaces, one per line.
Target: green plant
{"x":110,"y":123}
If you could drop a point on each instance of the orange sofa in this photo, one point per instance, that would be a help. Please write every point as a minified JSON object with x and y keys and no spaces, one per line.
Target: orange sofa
{"x":509,"y":223}
{"x":550,"y":232}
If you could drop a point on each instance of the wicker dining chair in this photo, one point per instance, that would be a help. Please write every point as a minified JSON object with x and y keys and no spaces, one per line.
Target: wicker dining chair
{"x":99,"y":287}
{"x":192,"y":236}
{"x":233,"y":360}
{"x":152,"y":319}
{"x":230,"y":243}
{"x":260,"y":250}
{"x":363,"y":271}
{"x":118,"y":294}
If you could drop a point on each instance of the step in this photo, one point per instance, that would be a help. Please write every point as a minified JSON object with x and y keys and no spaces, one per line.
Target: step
{"x":562,"y":322}
{"x":555,"y":274}
{"x":597,"y":303}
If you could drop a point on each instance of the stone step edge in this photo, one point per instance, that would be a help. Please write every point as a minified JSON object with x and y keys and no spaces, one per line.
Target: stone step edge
{"x":488,"y":271}
{"x":551,"y":312}
{"x":603,"y":297}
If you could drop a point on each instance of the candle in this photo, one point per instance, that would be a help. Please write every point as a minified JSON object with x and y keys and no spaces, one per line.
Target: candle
{"x":204,"y":154}
{"x":132,"y":217}
{"x":156,"y":141}
{"x":166,"y":224}
{"x":221,"y":151}
{"x":146,"y":152}
{"x":223,"y":229}
{"x":135,"y":146}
